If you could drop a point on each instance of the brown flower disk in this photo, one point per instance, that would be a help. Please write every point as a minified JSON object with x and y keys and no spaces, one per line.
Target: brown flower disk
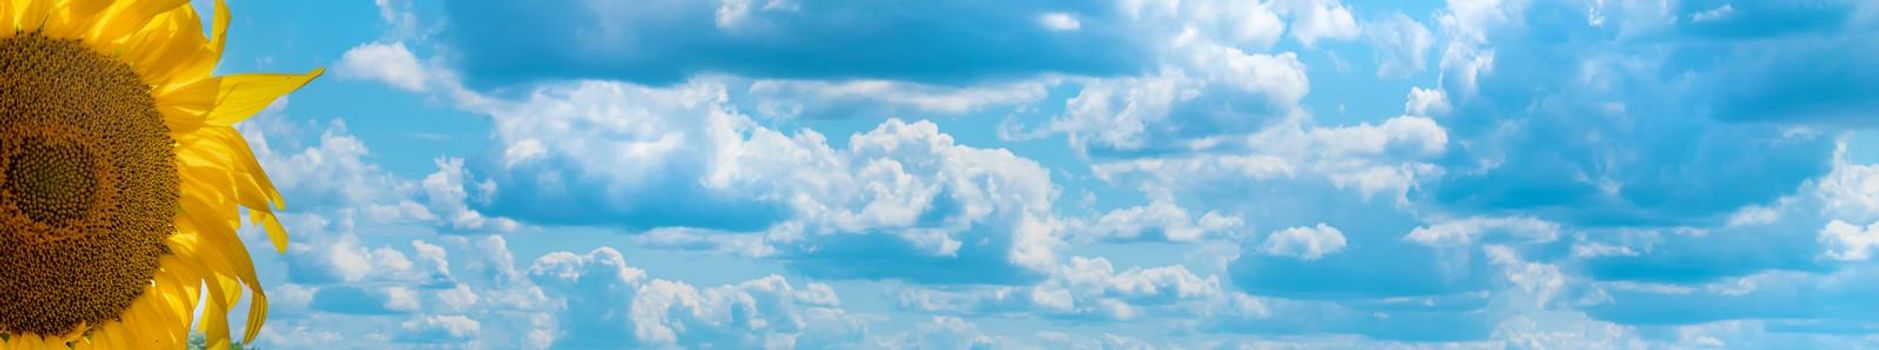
{"x":88,"y":185}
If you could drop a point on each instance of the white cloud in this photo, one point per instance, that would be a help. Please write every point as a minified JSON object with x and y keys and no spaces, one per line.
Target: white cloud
{"x":907,"y":181}
{"x":1182,"y":103}
{"x":447,"y":194}
{"x":1413,"y":135}
{"x":1251,"y":24}
{"x":1368,"y":159}
{"x":400,"y":16}
{"x":941,"y":332}
{"x":700,"y":240}
{"x":567,"y":300}
{"x":402,"y":299}
{"x":330,"y":174}
{"x":1846,"y":241}
{"x":325,"y":251}
{"x":461,"y":298}
{"x":1426,"y":102}
{"x":1464,"y":25}
{"x":335,"y":177}
{"x":734,"y":14}
{"x":606,"y":302}
{"x":390,"y":63}
{"x":310,"y":334}
{"x":1314,"y":20}
{"x":910,"y":175}
{"x":1280,"y":78}
{"x":1539,"y":282}
{"x":435,"y":328}
{"x":1850,"y":191}
{"x":1082,"y":288}
{"x":1152,"y":285}
{"x":1467,"y":232}
{"x":1059,"y":21}
{"x":1186,"y":170}
{"x":766,"y":312}
{"x":1305,"y":243}
{"x":879,"y":98}
{"x":1714,"y":14}
{"x":1157,"y":221}
{"x":935,"y":198}
{"x":1118,"y":113}
{"x":1469,"y":18}
{"x":1753,"y":215}
{"x":1401,"y":44}
{"x":1107,"y":341}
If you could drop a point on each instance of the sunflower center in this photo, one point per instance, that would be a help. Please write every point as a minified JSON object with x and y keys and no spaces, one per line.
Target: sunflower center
{"x":88,"y":185}
{"x":58,"y":189}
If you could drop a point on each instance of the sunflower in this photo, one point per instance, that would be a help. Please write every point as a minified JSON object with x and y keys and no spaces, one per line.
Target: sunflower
{"x":122,"y":179}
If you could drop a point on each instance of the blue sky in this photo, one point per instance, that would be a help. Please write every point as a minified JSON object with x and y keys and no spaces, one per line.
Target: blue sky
{"x":1122,"y":174}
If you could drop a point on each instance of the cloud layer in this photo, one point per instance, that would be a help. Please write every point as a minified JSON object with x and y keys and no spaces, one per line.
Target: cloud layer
{"x":1095,"y":174}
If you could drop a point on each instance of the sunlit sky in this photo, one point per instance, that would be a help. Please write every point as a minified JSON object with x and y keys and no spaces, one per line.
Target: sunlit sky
{"x":1129,"y":174}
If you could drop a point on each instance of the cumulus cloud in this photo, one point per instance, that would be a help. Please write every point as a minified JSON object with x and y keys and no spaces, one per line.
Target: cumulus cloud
{"x":819,"y":99}
{"x":902,"y":189}
{"x":1376,"y":161}
{"x":560,"y":147}
{"x":1436,"y":322}
{"x":1402,"y":45}
{"x":1307,"y":243}
{"x":1770,"y":295}
{"x":1850,"y":191}
{"x":565,"y":299}
{"x":1059,"y":21}
{"x":1082,"y":288}
{"x":330,"y":173}
{"x":1157,"y":221}
{"x":1222,"y":91}
{"x":1426,"y":102}
{"x":344,"y":259}
{"x":342,"y":299}
{"x":1526,"y":198}
{"x":1615,"y":142}
{"x":735,"y":14}
{"x":439,"y":329}
{"x":943,"y":207}
{"x":335,"y":176}
{"x":389,"y":63}
{"x":943,"y":332}
{"x":1846,"y":241}
{"x":447,"y":192}
{"x":1470,"y":231}
{"x":1236,"y":23}
{"x":1315,"y":20}
{"x":609,"y":303}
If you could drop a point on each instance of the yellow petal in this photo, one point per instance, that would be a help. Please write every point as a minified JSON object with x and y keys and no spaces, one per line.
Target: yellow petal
{"x":32,"y":341}
{"x":223,"y":294}
{"x":218,"y":31}
{"x":201,"y":65}
{"x":126,"y":17}
{"x":252,"y":186}
{"x":183,"y":107}
{"x":223,"y":253}
{"x":30,"y":15}
{"x":275,"y":233}
{"x":6,"y":31}
{"x":120,"y":336}
{"x":243,"y":95}
{"x":158,"y":51}
{"x":72,"y":18}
